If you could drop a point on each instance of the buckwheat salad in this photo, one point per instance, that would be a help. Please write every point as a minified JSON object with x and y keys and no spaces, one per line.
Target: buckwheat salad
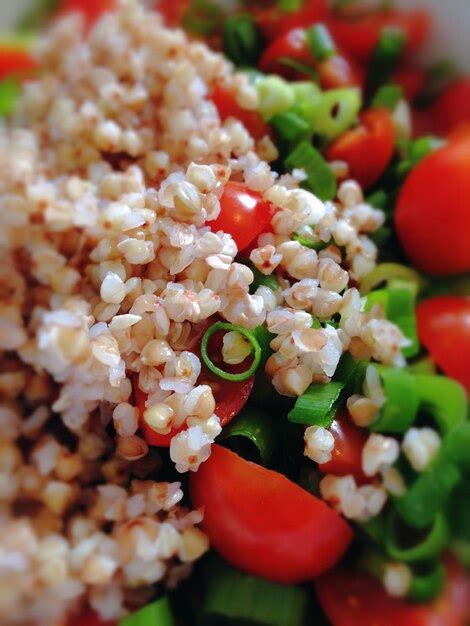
{"x":234,"y":319}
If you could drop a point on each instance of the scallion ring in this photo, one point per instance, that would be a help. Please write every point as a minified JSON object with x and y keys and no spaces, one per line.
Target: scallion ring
{"x":242,"y":331}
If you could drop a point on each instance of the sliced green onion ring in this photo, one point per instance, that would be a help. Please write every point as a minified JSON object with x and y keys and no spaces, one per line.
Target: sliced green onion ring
{"x":431,"y":546}
{"x":245,"y":333}
{"x":320,"y":43}
{"x":318,"y":405}
{"x":401,"y":406}
{"x":427,"y":582}
{"x":256,"y":426}
{"x":386,"y":272}
{"x":387,"y":97}
{"x":443,"y":398}
{"x":337,"y":111}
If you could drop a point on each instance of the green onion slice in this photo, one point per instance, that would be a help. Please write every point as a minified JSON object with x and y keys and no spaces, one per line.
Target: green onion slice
{"x":429,"y":492}
{"x":384,"y":272}
{"x":429,"y":547}
{"x":9,"y":91}
{"x":427,"y":582}
{"x":387,"y":97}
{"x":401,"y":406}
{"x":298,"y":66}
{"x":337,"y":111}
{"x":385,"y":56}
{"x":320,"y":43}
{"x":241,"y":39}
{"x":351,"y":373}
{"x":318,"y":405}
{"x":443,"y":398}
{"x":379,"y":199}
{"x":320,"y":179}
{"x":240,"y":598}
{"x":424,"y":365}
{"x":290,"y":126}
{"x":250,"y":335}
{"x":457,"y":447}
{"x":260,"y":279}
{"x":158,"y":612}
{"x":289,"y":5}
{"x":257,"y":427}
{"x":313,"y":245}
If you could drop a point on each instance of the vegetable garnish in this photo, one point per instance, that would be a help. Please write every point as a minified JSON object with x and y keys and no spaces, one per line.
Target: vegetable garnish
{"x":250,"y":335}
{"x":156,"y":613}
{"x":320,"y":42}
{"x":318,"y":405}
{"x":320,"y":178}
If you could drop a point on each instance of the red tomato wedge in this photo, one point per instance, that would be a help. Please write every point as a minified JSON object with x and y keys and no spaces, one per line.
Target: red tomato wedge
{"x":15,"y":61}
{"x":432,"y":217}
{"x":444,"y":329}
{"x":89,"y":619}
{"x":452,"y":108}
{"x":411,"y":79}
{"x":227,"y":106}
{"x":273,"y":22}
{"x":230,"y":397}
{"x":360,"y":34}
{"x":346,"y":457}
{"x":263,"y":523}
{"x":172,"y":11}
{"x":356,"y":599}
{"x":243,"y":214}
{"x":92,"y":10}
{"x":368,"y":148}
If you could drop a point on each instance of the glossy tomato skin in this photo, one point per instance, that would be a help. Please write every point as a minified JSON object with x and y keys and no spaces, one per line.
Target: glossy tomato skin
{"x":264,"y":524}
{"x":92,"y":10}
{"x":360,"y":34}
{"x":452,"y":108}
{"x":227,"y":106}
{"x":411,"y":79}
{"x":346,"y":457}
{"x":15,"y":61}
{"x":172,"y":11}
{"x":357,"y":599}
{"x":444,"y":329}
{"x":432,"y":217}
{"x":368,"y":148}
{"x":243,"y":214}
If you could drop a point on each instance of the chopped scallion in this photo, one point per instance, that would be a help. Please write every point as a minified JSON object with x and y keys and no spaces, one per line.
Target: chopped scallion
{"x":427,"y":548}
{"x":387,"y":97}
{"x":401,"y":406}
{"x":320,"y":43}
{"x":289,"y":5}
{"x":257,"y":427}
{"x":9,"y":92}
{"x":336,"y":112}
{"x":245,"y":333}
{"x":385,"y":56}
{"x":384,"y":272}
{"x":427,"y":582}
{"x":290,"y":126}
{"x":318,"y":405}
{"x":320,"y":179}
{"x":298,"y":66}
{"x":443,"y":398}
{"x":265,"y":280}
{"x":275,"y":96}
{"x":313,"y":245}
{"x":158,"y":612}
{"x":241,"y":39}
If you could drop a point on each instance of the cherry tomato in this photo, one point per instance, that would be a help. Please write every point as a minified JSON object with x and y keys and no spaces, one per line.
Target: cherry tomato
{"x":368,"y":148}
{"x":357,"y":599}
{"x":91,"y":9}
{"x":227,"y":106}
{"x":89,"y":619}
{"x":444,"y":328}
{"x":274,"y":23}
{"x":361,"y":34}
{"x":15,"y":61}
{"x":453,"y":106}
{"x":172,"y":11}
{"x":243,"y":214}
{"x":230,"y":397}
{"x":263,"y":523}
{"x":411,"y":79}
{"x":432,"y":217}
{"x":346,"y":457}
{"x":337,"y":71}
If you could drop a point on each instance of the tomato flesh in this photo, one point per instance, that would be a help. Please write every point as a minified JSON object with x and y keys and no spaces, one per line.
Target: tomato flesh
{"x":243,"y":214}
{"x":91,"y":10}
{"x":263,"y":523}
{"x":89,"y":619}
{"x":452,"y":108}
{"x":357,"y":599}
{"x":346,"y":457}
{"x":368,"y":148}
{"x":432,"y":217}
{"x":444,"y":329}
{"x":274,"y":23}
{"x":15,"y":61}
{"x":227,"y":106}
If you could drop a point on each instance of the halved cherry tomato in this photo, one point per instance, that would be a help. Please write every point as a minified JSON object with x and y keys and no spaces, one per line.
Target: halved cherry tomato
{"x":15,"y":61}
{"x":368,"y":148}
{"x":230,"y":397}
{"x":89,"y":619}
{"x":227,"y":106}
{"x":337,"y":71}
{"x":452,"y":108}
{"x":91,"y":9}
{"x":274,"y":23}
{"x":243,"y":214}
{"x":411,"y":79}
{"x":444,"y":328}
{"x":357,"y":599}
{"x":432,"y":217}
{"x":172,"y":11}
{"x":346,"y":457}
{"x":263,"y":523}
{"x":360,"y":34}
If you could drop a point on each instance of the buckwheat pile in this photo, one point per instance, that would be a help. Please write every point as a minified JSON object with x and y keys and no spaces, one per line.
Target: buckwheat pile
{"x":111,"y":171}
